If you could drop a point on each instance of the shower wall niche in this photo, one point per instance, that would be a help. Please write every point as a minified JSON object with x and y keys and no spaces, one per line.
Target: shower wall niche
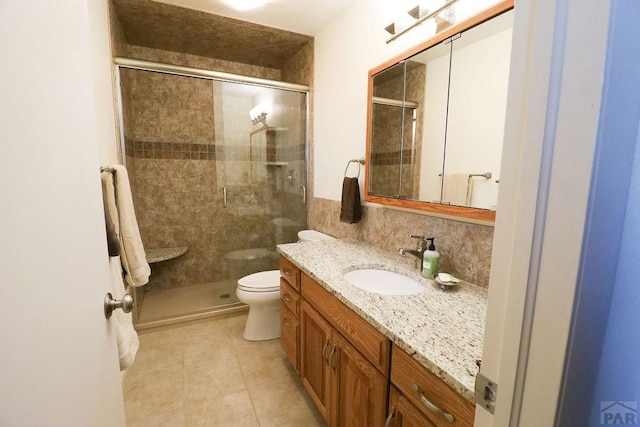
{"x":205,"y":176}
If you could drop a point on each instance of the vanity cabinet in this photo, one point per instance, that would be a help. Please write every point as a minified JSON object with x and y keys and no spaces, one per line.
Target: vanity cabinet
{"x":344,"y":361}
{"x":419,"y":391}
{"x":346,"y":387}
{"x":290,"y":311}
{"x":347,"y":366}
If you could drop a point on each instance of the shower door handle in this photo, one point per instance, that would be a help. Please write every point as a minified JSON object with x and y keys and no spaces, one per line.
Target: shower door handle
{"x":304,"y":194}
{"x":224,"y":197}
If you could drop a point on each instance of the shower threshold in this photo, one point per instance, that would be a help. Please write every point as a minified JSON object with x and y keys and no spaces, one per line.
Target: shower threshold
{"x":162,"y":307}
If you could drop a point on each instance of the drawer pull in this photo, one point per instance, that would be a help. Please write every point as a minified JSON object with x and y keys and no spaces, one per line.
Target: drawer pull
{"x":286,"y":322}
{"x":333,"y":353}
{"x":326,"y":343}
{"x":430,"y":406}
{"x":287,"y":272}
{"x":392,"y":413}
{"x":287,"y":298}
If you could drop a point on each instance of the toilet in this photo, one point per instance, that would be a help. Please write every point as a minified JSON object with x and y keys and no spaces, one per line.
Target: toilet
{"x":261,"y":292}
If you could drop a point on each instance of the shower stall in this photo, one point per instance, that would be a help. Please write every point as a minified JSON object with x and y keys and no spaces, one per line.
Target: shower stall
{"x":217,"y":165}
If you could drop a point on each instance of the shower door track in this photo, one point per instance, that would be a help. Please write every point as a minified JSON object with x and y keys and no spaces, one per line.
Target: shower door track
{"x":139,"y":64}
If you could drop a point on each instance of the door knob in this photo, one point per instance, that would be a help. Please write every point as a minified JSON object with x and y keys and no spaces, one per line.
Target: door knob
{"x":110,"y":304}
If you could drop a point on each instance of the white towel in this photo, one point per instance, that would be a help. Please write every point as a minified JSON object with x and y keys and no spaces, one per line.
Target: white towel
{"x":117,"y":192}
{"x":128,"y":342}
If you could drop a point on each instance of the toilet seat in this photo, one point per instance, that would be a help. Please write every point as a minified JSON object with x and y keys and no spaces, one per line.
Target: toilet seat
{"x":261,"y":282}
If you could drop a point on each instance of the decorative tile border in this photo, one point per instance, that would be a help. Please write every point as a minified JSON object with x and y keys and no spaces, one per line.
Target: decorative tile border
{"x":169,"y":150}
{"x":391,"y":157}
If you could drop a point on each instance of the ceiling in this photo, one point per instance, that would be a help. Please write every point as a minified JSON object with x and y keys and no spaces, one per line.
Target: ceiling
{"x":299,"y":16}
{"x":268,"y":36}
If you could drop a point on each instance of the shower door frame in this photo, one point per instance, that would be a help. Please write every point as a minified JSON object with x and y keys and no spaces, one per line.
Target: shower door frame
{"x":137,"y":64}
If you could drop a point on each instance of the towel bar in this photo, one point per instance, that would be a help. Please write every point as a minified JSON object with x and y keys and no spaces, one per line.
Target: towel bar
{"x":358,"y":161}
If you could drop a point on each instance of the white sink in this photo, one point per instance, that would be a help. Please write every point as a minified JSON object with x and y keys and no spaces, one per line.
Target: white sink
{"x":383,"y":282}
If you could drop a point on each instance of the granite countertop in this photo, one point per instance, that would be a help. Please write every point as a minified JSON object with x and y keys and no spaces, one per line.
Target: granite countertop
{"x":443,"y":330}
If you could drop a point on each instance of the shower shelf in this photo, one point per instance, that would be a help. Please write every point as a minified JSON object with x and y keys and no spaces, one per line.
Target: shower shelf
{"x":164,"y":254}
{"x":277,"y":163}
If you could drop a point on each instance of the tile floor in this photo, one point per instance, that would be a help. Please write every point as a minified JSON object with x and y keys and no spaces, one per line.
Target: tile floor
{"x":207,"y":375}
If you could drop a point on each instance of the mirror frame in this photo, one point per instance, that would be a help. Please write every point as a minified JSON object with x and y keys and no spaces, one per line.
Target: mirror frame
{"x":468,"y":213}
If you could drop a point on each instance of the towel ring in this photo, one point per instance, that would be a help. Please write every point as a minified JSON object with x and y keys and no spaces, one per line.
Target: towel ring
{"x":359,"y":162}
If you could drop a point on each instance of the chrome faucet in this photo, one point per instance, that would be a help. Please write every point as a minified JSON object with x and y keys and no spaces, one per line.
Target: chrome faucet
{"x":421,"y":246}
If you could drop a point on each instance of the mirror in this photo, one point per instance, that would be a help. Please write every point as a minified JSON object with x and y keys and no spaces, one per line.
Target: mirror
{"x":436,"y":120}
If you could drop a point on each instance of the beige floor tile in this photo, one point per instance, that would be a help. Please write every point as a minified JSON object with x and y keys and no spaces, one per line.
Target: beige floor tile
{"x":163,"y":338}
{"x":281,"y":402}
{"x":264,"y":363}
{"x":207,"y":374}
{"x":172,"y":420}
{"x":206,"y":350}
{"x":152,"y":361}
{"x":154,"y":396}
{"x":233,"y":409}
{"x":212,"y":380}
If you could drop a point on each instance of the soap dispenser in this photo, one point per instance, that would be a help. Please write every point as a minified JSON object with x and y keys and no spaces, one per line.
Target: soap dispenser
{"x":430,"y":260}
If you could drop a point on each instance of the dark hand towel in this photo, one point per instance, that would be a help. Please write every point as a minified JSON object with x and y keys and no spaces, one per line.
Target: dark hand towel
{"x":350,"y":211}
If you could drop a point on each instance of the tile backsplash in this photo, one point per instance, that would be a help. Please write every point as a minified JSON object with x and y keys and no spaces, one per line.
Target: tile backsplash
{"x":465,"y":249}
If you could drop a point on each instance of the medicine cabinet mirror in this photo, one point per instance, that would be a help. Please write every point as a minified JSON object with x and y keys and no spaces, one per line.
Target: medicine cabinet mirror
{"x":436,"y":120}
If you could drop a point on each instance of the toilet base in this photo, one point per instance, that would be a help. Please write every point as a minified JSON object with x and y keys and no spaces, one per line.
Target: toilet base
{"x":263,"y":322}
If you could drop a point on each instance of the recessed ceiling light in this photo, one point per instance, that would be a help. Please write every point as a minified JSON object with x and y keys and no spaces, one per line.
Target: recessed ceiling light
{"x":245,"y":4}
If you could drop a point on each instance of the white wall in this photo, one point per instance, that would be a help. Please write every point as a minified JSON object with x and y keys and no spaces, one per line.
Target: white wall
{"x":345,"y":51}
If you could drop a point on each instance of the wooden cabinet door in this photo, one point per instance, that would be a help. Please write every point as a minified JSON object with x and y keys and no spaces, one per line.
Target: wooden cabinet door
{"x":358,"y":390}
{"x":314,"y":342}
{"x":402,"y":413}
{"x":289,"y":328}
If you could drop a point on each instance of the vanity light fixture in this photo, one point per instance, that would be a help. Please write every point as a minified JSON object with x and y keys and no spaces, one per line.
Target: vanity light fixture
{"x":421,"y":14}
{"x":259,"y":113}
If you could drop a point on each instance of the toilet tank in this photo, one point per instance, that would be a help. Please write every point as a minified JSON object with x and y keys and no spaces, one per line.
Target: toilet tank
{"x":313,"y":236}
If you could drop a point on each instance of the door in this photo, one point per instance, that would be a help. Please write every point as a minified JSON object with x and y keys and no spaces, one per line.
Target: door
{"x":550,"y":135}
{"x":358,"y":390}
{"x":314,"y":352}
{"x":58,"y":352}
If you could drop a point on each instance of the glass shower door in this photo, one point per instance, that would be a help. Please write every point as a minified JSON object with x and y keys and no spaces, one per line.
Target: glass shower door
{"x":261,"y":176}
{"x":209,"y":178}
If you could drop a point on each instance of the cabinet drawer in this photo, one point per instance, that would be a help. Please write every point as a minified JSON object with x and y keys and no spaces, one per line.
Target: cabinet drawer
{"x":368,"y":340}
{"x":289,"y":330}
{"x":419,"y":384}
{"x":290,"y":273}
{"x":289,"y":297}
{"x":403,"y":413}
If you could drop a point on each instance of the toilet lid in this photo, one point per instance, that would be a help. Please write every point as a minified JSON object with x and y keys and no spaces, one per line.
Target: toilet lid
{"x":264,"y":281}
